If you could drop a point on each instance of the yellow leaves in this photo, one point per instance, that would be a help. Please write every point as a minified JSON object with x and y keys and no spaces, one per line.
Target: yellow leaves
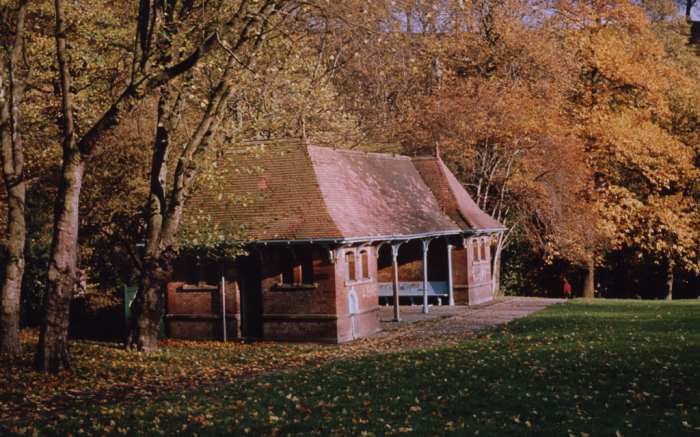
{"x":628,"y":139}
{"x":627,"y":58}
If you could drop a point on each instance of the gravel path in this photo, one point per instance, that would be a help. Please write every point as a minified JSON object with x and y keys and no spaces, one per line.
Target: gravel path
{"x":447,"y":325}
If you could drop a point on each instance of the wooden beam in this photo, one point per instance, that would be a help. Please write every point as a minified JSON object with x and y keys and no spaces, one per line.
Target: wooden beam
{"x":395,"y":267}
{"x":426,"y":243}
{"x":223,"y":307}
{"x":450,"y":281}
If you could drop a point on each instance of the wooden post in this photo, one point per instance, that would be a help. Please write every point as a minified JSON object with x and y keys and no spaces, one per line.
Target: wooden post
{"x":426,"y":243}
{"x":222,"y":287}
{"x":450,"y":282}
{"x":395,"y":267}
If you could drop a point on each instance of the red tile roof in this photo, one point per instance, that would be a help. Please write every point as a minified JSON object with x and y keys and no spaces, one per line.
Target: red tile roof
{"x":304,"y":192}
{"x":452,"y":196}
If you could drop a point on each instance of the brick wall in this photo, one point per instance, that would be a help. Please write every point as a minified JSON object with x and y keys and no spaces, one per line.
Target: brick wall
{"x":327,"y":305}
{"x":479,"y":270}
{"x":362,"y":294}
{"x":299,"y":313}
{"x":193,"y":311}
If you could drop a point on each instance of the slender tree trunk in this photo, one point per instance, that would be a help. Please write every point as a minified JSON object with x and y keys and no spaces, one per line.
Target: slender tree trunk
{"x":12,"y":158}
{"x":14,"y":269}
{"x":497,"y":276}
{"x":496,"y":269}
{"x":589,"y":281}
{"x":669,"y":281}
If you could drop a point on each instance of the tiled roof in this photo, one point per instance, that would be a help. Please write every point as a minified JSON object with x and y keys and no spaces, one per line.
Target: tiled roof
{"x":372,"y":194}
{"x":304,"y":192}
{"x":453,"y":198}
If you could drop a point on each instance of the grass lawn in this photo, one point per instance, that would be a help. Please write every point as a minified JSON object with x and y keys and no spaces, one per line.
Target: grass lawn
{"x":598,"y":368}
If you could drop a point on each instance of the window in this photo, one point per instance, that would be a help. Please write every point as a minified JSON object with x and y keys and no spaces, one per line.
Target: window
{"x":296,"y":270}
{"x":350,"y":264}
{"x":297,"y":274}
{"x":364,"y":260}
{"x":475,"y":246}
{"x":483,"y":250}
{"x":292,"y":274}
{"x":297,"y":267}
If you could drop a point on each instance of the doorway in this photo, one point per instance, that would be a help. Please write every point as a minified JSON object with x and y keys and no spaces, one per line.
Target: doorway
{"x":251,"y":297}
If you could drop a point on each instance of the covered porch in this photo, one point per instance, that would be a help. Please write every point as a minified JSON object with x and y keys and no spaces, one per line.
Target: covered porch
{"x":441,"y":270}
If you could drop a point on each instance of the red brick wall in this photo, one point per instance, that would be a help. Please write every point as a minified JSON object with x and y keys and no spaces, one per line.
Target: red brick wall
{"x":460,"y":275}
{"x":196,"y":313}
{"x":479,"y":272}
{"x":364,"y":320}
{"x":299,"y":314}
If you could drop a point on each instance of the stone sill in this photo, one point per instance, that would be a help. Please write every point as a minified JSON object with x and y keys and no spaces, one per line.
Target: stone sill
{"x":294,"y":287}
{"x":196,"y":289}
{"x":359,"y":282}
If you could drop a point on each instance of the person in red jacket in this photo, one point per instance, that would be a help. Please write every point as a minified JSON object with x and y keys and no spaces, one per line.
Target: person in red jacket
{"x":567,"y":289}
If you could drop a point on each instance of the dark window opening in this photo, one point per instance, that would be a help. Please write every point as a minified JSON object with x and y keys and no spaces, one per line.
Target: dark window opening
{"x":298,"y":269}
{"x":292,"y":273}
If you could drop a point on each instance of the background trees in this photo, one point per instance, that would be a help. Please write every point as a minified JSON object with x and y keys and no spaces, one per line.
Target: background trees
{"x":574,"y":123}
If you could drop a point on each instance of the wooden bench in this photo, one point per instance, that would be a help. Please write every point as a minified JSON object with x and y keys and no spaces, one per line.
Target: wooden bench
{"x":414,"y":289}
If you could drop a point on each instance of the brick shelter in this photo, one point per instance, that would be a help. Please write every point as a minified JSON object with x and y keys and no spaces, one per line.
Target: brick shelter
{"x":330,"y":235}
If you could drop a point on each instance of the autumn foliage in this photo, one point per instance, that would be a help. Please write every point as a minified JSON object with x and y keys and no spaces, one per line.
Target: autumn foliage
{"x":573,"y":123}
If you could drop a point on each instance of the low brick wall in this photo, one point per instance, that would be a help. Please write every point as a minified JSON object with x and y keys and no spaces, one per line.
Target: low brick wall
{"x":200,"y":327}
{"x":300,"y":327}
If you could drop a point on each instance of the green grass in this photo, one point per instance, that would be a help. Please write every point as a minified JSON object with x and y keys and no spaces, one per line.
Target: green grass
{"x":597,"y":368}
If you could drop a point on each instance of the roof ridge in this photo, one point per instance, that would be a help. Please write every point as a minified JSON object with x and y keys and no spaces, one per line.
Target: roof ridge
{"x":444,"y":169}
{"x":381,"y":155}
{"x":472,"y":221}
{"x":440,"y":166}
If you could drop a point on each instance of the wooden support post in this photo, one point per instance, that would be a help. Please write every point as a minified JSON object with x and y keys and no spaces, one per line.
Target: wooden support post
{"x":450,"y":281}
{"x":426,"y":243}
{"x":395,"y":267}
{"x":222,"y":287}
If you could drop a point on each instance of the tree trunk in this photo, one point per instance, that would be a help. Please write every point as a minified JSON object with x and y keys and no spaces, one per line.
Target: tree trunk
{"x":496,"y":277}
{"x":669,"y":281}
{"x":14,"y":269}
{"x":165,"y":207}
{"x":496,"y":269}
{"x":148,"y":307}
{"x":164,"y":215}
{"x":12,"y":158}
{"x":52,"y":353}
{"x":589,"y":282}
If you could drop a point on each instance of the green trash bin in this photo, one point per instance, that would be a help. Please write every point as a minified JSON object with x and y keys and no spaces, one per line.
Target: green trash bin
{"x":129,"y":296}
